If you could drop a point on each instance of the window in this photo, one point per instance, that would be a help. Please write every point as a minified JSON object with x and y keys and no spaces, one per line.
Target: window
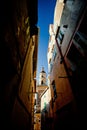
{"x":81,"y":40}
{"x":42,"y":82}
{"x":65,"y":1}
{"x":60,"y":37}
{"x":74,"y":57}
{"x":44,"y":105}
{"x":51,"y":61}
{"x":61,"y":33}
{"x":45,"y":110}
{"x":51,"y":66}
{"x":54,"y":52}
{"x":54,"y":89}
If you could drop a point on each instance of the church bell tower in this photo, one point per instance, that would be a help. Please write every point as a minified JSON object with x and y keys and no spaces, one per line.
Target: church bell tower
{"x":42,"y":77}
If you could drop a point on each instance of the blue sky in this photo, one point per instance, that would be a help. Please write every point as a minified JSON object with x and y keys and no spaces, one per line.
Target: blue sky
{"x":45,"y":17}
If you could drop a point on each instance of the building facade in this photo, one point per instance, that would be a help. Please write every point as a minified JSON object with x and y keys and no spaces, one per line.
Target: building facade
{"x":67,"y":58}
{"x":45,"y":108}
{"x":18,"y":53}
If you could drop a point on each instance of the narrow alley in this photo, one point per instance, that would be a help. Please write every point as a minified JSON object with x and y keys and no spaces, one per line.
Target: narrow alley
{"x":57,"y":100}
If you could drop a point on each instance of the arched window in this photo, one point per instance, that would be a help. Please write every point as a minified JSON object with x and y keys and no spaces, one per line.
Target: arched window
{"x":42,"y":82}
